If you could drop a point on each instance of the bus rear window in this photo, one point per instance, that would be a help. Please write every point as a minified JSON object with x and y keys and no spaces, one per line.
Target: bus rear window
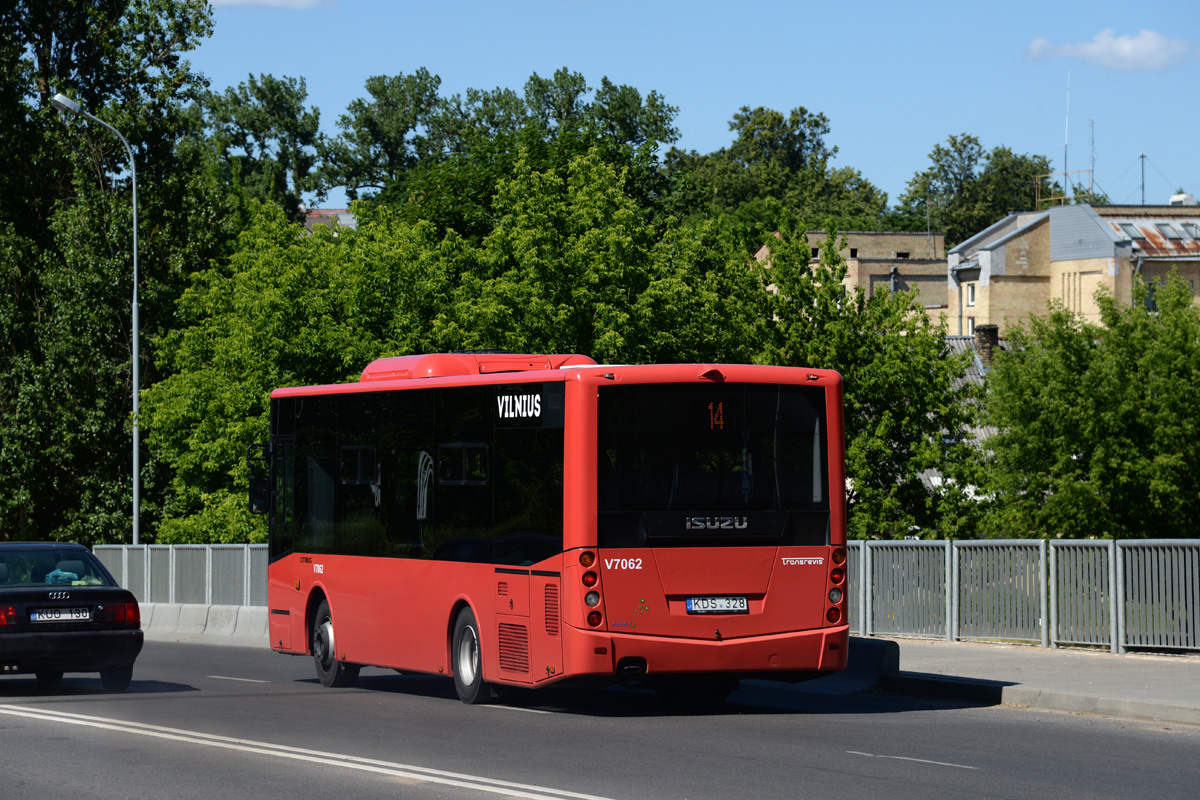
{"x":686,"y":464}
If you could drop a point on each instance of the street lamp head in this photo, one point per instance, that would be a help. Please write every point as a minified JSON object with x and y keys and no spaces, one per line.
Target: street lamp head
{"x":65,"y":104}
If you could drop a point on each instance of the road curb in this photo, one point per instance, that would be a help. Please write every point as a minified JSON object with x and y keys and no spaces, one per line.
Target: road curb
{"x":999,"y":693}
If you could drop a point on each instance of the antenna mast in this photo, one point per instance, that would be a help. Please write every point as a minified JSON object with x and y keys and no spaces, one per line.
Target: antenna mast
{"x":1066,"y":136}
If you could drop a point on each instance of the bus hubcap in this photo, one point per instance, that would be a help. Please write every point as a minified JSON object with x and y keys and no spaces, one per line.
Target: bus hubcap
{"x":468,"y":657}
{"x":323,"y":642}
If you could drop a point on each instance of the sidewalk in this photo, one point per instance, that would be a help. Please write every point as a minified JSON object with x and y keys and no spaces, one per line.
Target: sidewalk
{"x":1157,"y":687}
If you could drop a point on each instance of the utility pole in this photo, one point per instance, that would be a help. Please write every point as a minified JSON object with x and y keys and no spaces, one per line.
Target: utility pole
{"x":1143,"y":158}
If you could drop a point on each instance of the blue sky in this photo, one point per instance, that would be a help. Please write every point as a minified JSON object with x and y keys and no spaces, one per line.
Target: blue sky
{"x":894,"y":78}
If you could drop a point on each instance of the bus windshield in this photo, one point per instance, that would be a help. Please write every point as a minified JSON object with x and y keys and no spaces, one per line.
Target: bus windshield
{"x":709,"y":464}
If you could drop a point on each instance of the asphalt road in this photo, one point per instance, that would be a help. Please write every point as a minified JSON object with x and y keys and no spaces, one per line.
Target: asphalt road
{"x":228,"y":722}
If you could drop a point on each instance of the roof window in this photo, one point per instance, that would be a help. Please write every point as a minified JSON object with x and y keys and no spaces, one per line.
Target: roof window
{"x":1131,"y":230}
{"x":1166,"y":230}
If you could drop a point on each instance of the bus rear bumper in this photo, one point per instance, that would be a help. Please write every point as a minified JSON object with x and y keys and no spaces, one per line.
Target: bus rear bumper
{"x":788,"y":656}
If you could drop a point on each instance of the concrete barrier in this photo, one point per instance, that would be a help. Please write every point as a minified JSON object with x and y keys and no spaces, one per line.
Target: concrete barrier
{"x":252,"y":622}
{"x":221,"y":620}
{"x":165,"y":617}
{"x":240,"y":625}
{"x":192,"y":619}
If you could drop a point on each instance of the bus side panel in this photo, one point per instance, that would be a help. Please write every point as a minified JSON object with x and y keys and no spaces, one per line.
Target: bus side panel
{"x":285,"y":607}
{"x":546,"y":626}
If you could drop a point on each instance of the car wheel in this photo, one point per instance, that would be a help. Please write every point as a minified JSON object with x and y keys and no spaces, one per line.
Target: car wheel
{"x":116,"y":679}
{"x":467,"y":660}
{"x":49,"y":678}
{"x":330,"y":671}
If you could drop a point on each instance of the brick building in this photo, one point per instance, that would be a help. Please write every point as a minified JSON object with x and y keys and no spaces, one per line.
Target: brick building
{"x":1013,"y":269}
{"x":891,"y":261}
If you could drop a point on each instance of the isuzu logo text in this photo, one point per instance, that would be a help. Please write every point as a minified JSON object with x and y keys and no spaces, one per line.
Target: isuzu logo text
{"x":716,"y":523}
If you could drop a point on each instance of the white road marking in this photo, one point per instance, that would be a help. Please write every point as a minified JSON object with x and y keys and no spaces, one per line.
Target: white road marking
{"x":476,"y":782}
{"x":243,"y":680}
{"x":906,"y":758}
{"x":518,"y":708}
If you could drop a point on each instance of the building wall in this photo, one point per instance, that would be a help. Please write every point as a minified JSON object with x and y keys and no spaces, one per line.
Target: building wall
{"x":1018,"y":283}
{"x":886,"y":244}
{"x":1076,"y":282}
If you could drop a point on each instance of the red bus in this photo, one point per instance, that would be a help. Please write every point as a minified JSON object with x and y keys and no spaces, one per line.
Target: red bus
{"x":520,"y":520}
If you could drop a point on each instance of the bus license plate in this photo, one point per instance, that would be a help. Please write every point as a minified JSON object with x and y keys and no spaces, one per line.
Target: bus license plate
{"x":717,"y":605}
{"x":60,"y":614}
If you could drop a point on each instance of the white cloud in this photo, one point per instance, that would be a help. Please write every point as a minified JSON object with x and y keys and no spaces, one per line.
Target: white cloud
{"x":292,"y":4}
{"x":1146,"y":51}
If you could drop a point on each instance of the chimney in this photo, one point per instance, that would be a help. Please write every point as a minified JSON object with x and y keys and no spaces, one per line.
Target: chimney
{"x":987,"y":339}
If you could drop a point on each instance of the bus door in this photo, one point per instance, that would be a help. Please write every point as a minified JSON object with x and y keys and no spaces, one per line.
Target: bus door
{"x":282,"y":524}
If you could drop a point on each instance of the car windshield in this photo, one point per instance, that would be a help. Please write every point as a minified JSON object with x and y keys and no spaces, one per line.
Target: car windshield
{"x":51,"y":567}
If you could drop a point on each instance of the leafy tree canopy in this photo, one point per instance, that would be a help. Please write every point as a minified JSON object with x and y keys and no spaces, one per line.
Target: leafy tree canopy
{"x":906,"y":406}
{"x":1098,"y":433}
{"x":965,"y":189}
{"x":777,"y":166}
{"x":266,"y":139}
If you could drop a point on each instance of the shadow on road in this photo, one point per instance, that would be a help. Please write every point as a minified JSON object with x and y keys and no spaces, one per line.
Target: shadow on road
{"x":753,"y":698}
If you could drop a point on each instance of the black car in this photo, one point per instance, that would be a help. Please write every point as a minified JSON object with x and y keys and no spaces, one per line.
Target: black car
{"x":61,"y":611}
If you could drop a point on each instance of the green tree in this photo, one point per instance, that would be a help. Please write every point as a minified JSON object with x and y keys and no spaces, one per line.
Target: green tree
{"x":777,"y":167}
{"x":906,"y":407}
{"x":287,"y":309}
{"x":266,"y":139}
{"x":384,"y":137}
{"x":1097,"y":426}
{"x":968,"y":189}
{"x":442,"y":159}
{"x":65,"y":248}
{"x":573,"y":265}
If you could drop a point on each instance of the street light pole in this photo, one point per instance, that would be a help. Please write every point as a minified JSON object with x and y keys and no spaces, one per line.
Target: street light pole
{"x":67,"y":105}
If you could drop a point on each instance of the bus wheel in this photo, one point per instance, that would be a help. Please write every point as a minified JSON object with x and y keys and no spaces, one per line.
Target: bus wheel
{"x":467,"y":660}
{"x":330,"y":671}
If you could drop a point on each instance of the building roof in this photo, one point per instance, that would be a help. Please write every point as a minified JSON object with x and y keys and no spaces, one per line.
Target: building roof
{"x":325,"y":216}
{"x":998,"y":233}
{"x":1157,"y":236}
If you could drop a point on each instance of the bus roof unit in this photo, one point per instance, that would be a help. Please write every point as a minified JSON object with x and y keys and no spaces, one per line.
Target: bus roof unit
{"x":442,"y":365}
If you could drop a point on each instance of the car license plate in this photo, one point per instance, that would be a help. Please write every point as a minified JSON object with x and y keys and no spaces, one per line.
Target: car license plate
{"x":60,"y":614}
{"x":717,"y":605}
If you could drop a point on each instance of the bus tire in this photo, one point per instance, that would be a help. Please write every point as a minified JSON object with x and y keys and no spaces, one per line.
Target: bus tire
{"x":330,"y":671}
{"x":467,"y":660}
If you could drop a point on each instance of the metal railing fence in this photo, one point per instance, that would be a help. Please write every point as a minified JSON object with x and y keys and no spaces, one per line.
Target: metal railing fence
{"x":1142,"y":594}
{"x":204,"y":574}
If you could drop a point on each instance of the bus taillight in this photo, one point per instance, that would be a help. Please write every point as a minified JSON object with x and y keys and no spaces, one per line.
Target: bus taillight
{"x":594,"y":619}
{"x":839,"y":556}
{"x":833,"y":615}
{"x":589,"y":579}
{"x":587,"y":558}
{"x":837,"y":575}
